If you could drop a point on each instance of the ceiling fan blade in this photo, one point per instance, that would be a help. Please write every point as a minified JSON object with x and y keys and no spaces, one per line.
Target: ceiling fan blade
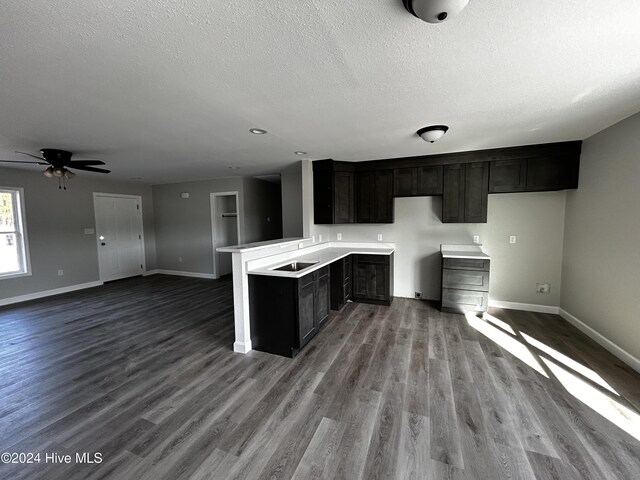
{"x":85,"y":162}
{"x":20,"y":161}
{"x":34,"y":156}
{"x":89,"y":169}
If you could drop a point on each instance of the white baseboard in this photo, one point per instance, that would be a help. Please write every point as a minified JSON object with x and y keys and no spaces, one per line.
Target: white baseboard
{"x":150,"y":272}
{"x":527,"y":307}
{"x":619,"y":352}
{"x":242,"y":347}
{"x":48,"y":293}
{"x":182,"y":274}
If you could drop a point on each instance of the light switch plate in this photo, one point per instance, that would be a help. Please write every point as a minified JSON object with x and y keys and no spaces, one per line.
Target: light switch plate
{"x":339,"y":236}
{"x":379,"y":237}
{"x":512,"y":239}
{"x":89,"y":231}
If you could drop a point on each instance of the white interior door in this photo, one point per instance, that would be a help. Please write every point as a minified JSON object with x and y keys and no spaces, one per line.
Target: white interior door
{"x":119,"y":235}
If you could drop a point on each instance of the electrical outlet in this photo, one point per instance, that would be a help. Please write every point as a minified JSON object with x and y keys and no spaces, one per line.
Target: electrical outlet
{"x":180,"y":259}
{"x":339,"y":236}
{"x":379,"y":237}
{"x":300,"y":245}
{"x":512,"y":239}
{"x":476,"y":239}
{"x":543,"y":288}
{"x":60,"y":272}
{"x":319,"y":238}
{"x":418,"y":294}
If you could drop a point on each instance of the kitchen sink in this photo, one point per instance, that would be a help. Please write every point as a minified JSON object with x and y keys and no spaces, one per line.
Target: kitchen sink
{"x":295,"y":266}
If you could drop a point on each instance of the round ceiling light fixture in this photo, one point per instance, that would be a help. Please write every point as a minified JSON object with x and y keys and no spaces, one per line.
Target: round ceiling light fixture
{"x":434,"y":11}
{"x":432,"y":133}
{"x":300,"y":153}
{"x":257,"y":131}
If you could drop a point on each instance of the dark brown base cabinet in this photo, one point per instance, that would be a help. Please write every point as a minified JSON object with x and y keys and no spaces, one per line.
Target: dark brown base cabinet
{"x":341,"y":291}
{"x":373,"y":279}
{"x":465,"y":285}
{"x":287,"y":312}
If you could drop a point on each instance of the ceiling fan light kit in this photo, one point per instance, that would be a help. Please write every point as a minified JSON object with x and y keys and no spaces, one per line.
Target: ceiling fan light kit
{"x":434,"y":11}
{"x":59,"y":162}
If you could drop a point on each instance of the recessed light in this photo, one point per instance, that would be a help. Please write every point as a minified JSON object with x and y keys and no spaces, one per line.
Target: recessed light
{"x":300,"y":153}
{"x":257,"y":131}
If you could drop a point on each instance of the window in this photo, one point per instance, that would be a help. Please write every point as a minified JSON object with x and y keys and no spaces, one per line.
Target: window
{"x":14,"y":257}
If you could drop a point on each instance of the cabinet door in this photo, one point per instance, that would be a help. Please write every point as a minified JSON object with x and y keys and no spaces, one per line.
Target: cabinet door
{"x":378,"y":281}
{"x":360,"y":279}
{"x":364,"y":197}
{"x":405,"y":181}
{"x":429,"y":180}
{"x":306,"y":310}
{"x":343,"y":197}
{"x":323,"y":197}
{"x":321,"y":296}
{"x":476,"y":192}
{"x":383,"y":197}
{"x":507,"y":176}
{"x":453,"y":193}
{"x":552,"y":173}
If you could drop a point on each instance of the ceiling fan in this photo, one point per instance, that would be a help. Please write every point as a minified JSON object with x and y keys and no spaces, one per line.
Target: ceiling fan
{"x":59,"y":162}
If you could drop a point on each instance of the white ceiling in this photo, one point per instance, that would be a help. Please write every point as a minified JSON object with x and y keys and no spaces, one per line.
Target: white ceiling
{"x":167,"y":90}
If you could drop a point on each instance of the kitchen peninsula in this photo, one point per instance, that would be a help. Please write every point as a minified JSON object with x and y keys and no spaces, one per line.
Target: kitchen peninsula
{"x":283,"y":290}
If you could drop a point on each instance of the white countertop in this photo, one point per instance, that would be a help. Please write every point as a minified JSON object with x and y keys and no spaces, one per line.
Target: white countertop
{"x":463,"y":251}
{"x":280,"y":242}
{"x":322,"y":258}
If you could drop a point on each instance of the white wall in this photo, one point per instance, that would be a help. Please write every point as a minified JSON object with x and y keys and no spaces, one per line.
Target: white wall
{"x":291,"y":178}
{"x":535,"y":218}
{"x":601,"y":263}
{"x":56,"y":220}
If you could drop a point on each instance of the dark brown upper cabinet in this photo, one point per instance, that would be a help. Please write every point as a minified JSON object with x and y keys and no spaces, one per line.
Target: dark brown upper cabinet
{"x":465,"y":193}
{"x":374,"y":196}
{"x":417,"y":181}
{"x":537,"y":174}
{"x":552,"y":173}
{"x":333,"y":192}
{"x":363,"y":192}
{"x":507,"y":176}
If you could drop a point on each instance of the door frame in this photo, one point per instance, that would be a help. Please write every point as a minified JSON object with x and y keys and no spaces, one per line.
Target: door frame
{"x":214,"y":216}
{"x":140,"y":219}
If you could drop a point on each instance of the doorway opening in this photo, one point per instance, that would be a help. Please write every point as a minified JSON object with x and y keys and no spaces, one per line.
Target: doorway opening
{"x":225,"y":229}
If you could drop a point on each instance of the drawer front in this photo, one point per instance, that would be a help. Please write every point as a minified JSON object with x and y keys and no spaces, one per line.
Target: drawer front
{"x":464,"y":299}
{"x":366,"y":258}
{"x":466,"y":264}
{"x":466,"y":280}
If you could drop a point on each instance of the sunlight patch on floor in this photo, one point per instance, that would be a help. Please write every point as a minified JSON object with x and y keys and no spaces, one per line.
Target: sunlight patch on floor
{"x":578,"y":367}
{"x":505,"y":341}
{"x":499,"y":323}
{"x":613,"y":411}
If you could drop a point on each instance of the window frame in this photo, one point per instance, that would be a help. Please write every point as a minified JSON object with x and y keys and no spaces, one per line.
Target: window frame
{"x":20,"y":231}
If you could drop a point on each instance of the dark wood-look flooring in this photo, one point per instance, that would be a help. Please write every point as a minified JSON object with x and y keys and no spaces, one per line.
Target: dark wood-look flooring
{"x":142,"y":371}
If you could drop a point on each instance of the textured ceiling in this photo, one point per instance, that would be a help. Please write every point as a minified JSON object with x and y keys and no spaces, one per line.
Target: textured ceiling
{"x":167,"y":90}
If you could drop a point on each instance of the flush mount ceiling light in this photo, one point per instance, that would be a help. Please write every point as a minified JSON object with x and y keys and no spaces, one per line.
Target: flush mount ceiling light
{"x":432,"y":133}
{"x":300,"y":153}
{"x":257,"y":131}
{"x":434,"y":11}
{"x":233,"y":167}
